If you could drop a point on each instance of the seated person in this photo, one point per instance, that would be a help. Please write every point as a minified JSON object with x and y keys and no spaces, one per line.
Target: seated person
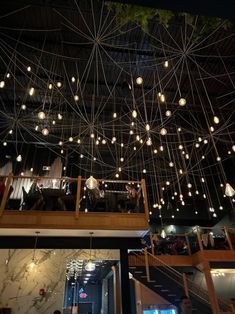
{"x":96,"y":198}
{"x":133,"y":197}
{"x":68,"y":202}
{"x":34,"y":199}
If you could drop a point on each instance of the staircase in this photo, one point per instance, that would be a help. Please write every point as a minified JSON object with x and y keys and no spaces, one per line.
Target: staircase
{"x":169,"y":284}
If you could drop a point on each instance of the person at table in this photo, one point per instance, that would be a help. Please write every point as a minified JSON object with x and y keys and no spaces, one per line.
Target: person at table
{"x":133,"y":197}
{"x":96,"y":196}
{"x":34,"y":198}
{"x":68,"y":202}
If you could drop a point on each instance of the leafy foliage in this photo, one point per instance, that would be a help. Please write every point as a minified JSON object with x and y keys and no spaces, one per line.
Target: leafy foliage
{"x":126,"y":13}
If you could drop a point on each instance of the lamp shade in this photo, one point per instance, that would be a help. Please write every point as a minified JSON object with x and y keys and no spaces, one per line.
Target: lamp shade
{"x":90,"y":266}
{"x":91,"y":183}
{"x":229,"y":191}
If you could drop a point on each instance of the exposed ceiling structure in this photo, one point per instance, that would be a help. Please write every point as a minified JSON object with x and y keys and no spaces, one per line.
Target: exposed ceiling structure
{"x":68,"y":73}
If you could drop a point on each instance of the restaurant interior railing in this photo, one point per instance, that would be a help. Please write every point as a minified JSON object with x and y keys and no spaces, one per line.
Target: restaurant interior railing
{"x":189,"y":287}
{"x":199,"y":239}
{"x":72,"y":194}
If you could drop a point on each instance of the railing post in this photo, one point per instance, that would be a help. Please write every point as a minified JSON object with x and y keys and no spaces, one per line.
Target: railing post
{"x":146,"y":264}
{"x":144,"y":191}
{"x":152,"y":244}
{"x":78,"y":197}
{"x":6,"y":193}
{"x":199,"y":239}
{"x":185,"y":282}
{"x":228,"y":238}
{"x":211,"y":288}
{"x":116,"y":287}
{"x":188,"y":244}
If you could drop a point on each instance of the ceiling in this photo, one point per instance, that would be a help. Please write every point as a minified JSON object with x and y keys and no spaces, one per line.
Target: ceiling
{"x":83,"y":47}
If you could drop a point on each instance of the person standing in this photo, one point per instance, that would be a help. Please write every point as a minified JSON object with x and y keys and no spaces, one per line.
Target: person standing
{"x":185,"y":305}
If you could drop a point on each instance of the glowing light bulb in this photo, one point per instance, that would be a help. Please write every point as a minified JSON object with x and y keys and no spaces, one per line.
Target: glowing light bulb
{"x":167,"y":182}
{"x":137,"y":137}
{"x":50,"y":86}
{"x":155,"y":151}
{"x":92,"y":135}
{"x":161,"y":148}
{"x":36,"y":127}
{"x":103,"y":141}
{"x":229,"y":191}
{"x":197,"y":145}
{"x":41,"y":115}
{"x":166,"y":64}
{"x":162,"y":98}
{"x":189,"y":185}
{"x":218,"y":158}
{"x":168,"y":113}
{"x":70,"y":139}
{"x":19,"y":158}
{"x":2,"y":84}
{"x":59,"y":84}
{"x":121,"y":159}
{"x":59,"y":116}
{"x":216,"y":120}
{"x":10,"y":131}
{"x":181,"y":147}
{"x":23,"y":107}
{"x":78,"y":141}
{"x":91,"y":183}
{"x":53,"y":122}
{"x":147,"y":127}
{"x":212,"y":129}
{"x":179,"y":129}
{"x":31,"y":91}
{"x":131,"y":132}
{"x":117,"y":175}
{"x":8,"y":75}
{"x":76,"y":97}
{"x":149,"y":141}
{"x":4,"y":143}
{"x":114,"y":115}
{"x":144,"y":171}
{"x":60,"y":143}
{"x":134,"y":114}
{"x":171,"y":164}
{"x":163,"y":131}
{"x":45,"y":131}
{"x":182,"y":102}
{"x":139,"y":80}
{"x":73,"y":79}
{"x":233,"y":148}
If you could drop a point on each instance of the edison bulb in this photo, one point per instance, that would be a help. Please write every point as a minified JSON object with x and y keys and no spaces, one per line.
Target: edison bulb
{"x":59,"y":84}
{"x":189,"y":185}
{"x":131,"y":132}
{"x":171,"y":164}
{"x":139,"y":80}
{"x":144,"y":171}
{"x":53,"y":122}
{"x":134,"y":114}
{"x":216,"y":120}
{"x":23,"y":107}
{"x":45,"y":131}
{"x":114,"y":115}
{"x":76,"y":97}
{"x":181,"y":147}
{"x":50,"y":86}
{"x":166,"y":64}
{"x":29,"y":68}
{"x":8,"y":75}
{"x":2,"y":84}
{"x":168,"y":113}
{"x":163,"y":131}
{"x":78,"y":141}
{"x":162,"y":98}
{"x":121,"y":159}
{"x":70,"y":139}
{"x":19,"y":158}
{"x":31,"y":91}
{"x":218,"y":158}
{"x":92,"y":135}
{"x":59,"y":116}
{"x":233,"y":148}
{"x":205,"y":141}
{"x":161,"y":148}
{"x":41,"y":115}
{"x":155,"y":151}
{"x":117,"y":175}
{"x":103,"y":141}
{"x":60,"y":143}
{"x":182,"y":102}
{"x":73,"y":79}
{"x":149,"y":141}
{"x":147,"y":127}
{"x":4,"y":144}
{"x":212,"y":129}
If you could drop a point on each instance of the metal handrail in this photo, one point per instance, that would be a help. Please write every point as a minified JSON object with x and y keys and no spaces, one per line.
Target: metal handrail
{"x":192,"y":283}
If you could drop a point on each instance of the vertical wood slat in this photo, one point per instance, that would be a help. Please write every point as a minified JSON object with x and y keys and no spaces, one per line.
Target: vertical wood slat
{"x":5,"y":194}
{"x":146,"y":210}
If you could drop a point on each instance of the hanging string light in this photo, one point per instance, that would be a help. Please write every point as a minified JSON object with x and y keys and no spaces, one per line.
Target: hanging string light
{"x":90,"y":266}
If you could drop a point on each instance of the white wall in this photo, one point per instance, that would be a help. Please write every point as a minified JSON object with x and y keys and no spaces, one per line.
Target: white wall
{"x":20,"y":284}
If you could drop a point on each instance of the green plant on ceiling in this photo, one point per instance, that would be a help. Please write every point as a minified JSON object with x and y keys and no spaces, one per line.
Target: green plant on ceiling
{"x":128,"y":13}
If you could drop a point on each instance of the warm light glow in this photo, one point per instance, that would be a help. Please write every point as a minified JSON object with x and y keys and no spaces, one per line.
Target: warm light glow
{"x":70,"y":139}
{"x":144,"y":171}
{"x":162,"y":98}
{"x":149,"y":141}
{"x":166,"y":64}
{"x":76,"y":97}
{"x":171,"y":164}
{"x":182,"y":102}
{"x":233,"y":148}
{"x":90,"y":266}
{"x":163,"y":234}
{"x":73,"y":79}
{"x":205,"y":141}
{"x":2,"y":84}
{"x":19,"y":158}
{"x":45,"y":131}
{"x":114,"y":115}
{"x":134,"y":114}
{"x":147,"y":127}
{"x":168,"y":113}
{"x":139,"y":80}
{"x":31,"y":91}
{"x":59,"y":84}
{"x":59,"y":116}
{"x":23,"y":107}
{"x":163,"y":131}
{"x":8,"y":75}
{"x":91,"y":183}
{"x":50,"y":86}
{"x":216,"y":120}
{"x":229,"y":191}
{"x":29,"y":68}
{"x":212,"y":129}
{"x":41,"y":115}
